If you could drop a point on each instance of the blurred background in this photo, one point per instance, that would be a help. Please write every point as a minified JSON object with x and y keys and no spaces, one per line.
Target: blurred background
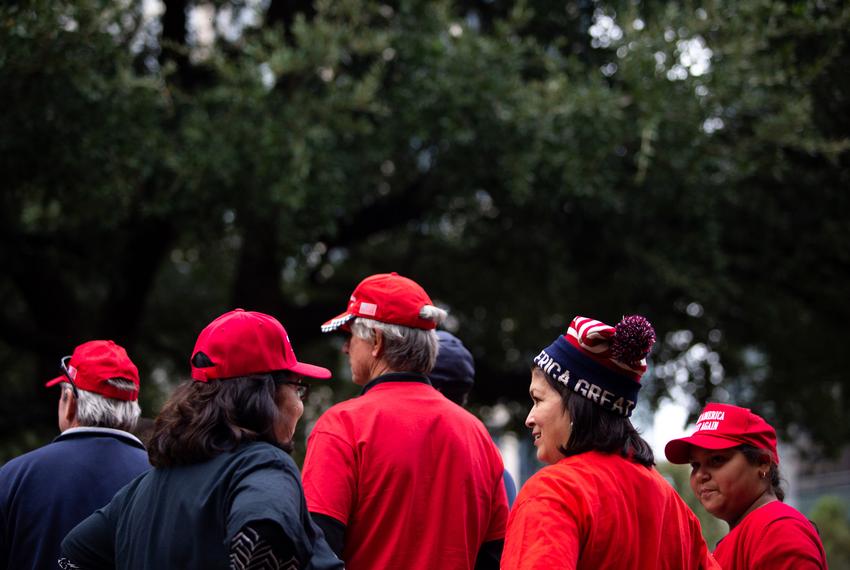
{"x":527,"y":161}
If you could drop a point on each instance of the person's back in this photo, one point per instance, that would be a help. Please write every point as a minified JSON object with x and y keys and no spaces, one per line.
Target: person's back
{"x":628,"y":516}
{"x":453,"y":376}
{"x":599,"y":503}
{"x":182,"y":516}
{"x":428,"y":479}
{"x":46,"y":492}
{"x":400,"y":477}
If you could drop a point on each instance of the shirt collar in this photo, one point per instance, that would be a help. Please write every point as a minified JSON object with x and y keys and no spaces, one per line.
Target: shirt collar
{"x":95,"y":431}
{"x":396,"y":377}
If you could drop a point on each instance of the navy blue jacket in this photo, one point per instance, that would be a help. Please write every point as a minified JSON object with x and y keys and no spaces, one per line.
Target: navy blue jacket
{"x":185,"y":517}
{"x":47,"y":492}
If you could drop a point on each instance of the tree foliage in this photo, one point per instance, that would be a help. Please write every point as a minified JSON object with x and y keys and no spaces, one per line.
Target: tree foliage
{"x":832,"y":518}
{"x":525,"y":161}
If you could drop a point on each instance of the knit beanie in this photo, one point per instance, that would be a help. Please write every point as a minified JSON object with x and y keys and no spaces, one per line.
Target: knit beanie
{"x":599,"y":362}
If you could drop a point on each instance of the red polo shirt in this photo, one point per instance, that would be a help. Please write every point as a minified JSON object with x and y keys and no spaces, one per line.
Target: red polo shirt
{"x":415,"y":478}
{"x":772,"y":537}
{"x":598,"y":510}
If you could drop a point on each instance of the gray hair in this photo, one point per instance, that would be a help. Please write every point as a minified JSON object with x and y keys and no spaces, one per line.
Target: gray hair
{"x":406,"y":349}
{"x":94,"y":410}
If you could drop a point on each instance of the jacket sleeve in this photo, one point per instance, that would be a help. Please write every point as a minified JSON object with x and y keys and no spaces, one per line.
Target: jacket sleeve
{"x":267,"y":488}
{"x":90,"y":544}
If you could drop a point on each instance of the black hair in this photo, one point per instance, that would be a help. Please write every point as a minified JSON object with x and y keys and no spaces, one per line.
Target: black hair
{"x":597,"y":429}
{"x":756,"y":456}
{"x":204,"y":419}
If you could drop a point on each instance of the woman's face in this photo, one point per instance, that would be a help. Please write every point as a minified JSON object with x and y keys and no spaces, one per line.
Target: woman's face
{"x":725,"y":482}
{"x":548,"y":420}
{"x":291,"y":407}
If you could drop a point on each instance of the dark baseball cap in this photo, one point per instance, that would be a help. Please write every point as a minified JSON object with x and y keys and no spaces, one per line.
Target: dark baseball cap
{"x":454,"y":363}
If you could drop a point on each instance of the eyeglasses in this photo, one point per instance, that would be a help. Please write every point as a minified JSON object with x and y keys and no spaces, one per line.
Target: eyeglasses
{"x":66,"y":370}
{"x":301,"y":388}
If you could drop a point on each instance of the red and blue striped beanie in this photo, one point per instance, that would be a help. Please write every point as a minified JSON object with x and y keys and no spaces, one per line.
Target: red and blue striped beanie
{"x":599,"y":362}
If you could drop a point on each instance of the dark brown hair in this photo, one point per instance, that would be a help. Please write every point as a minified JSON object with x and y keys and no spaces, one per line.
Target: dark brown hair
{"x":204,"y":419}
{"x":597,"y":429}
{"x":756,"y":456}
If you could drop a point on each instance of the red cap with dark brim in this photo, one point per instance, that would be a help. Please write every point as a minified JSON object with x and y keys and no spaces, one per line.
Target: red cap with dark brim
{"x":241,"y":343}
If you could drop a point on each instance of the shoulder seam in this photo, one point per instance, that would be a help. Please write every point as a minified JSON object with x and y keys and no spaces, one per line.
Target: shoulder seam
{"x":331,"y":434}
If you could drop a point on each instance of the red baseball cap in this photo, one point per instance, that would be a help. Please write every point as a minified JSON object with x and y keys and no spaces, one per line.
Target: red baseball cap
{"x":722,"y":426}
{"x":388,"y":298}
{"x":241,"y":343}
{"x":95,"y":362}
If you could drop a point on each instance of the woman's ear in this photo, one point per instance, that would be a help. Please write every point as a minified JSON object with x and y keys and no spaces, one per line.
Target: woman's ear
{"x":764,"y":465}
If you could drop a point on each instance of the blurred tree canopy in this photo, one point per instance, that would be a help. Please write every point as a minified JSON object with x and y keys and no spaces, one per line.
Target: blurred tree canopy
{"x":832,"y":518}
{"x":163,"y":162}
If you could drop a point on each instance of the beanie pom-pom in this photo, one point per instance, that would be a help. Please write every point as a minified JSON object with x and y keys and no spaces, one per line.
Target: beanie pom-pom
{"x":633,"y":339}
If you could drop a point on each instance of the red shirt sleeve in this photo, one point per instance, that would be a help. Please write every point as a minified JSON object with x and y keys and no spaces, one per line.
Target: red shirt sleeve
{"x":542,"y":533}
{"x":702,"y":558}
{"x":789,"y":544}
{"x":329,"y":475}
{"x":499,"y":510}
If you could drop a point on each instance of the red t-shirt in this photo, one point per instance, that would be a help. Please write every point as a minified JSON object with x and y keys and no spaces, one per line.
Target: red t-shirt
{"x":775,"y":537}
{"x":601,"y":511}
{"x":415,"y":478}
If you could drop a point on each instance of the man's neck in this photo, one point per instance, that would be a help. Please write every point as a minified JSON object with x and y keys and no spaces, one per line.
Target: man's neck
{"x":379,"y":369}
